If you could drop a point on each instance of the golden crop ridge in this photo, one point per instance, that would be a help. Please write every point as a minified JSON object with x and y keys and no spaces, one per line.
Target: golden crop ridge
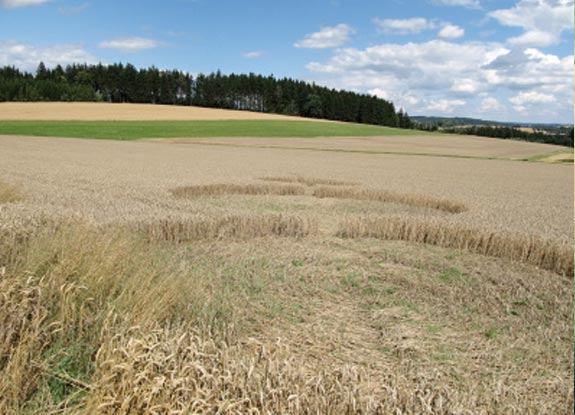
{"x":390,"y":197}
{"x":237,"y":189}
{"x":543,"y":253}
{"x":232,"y":226}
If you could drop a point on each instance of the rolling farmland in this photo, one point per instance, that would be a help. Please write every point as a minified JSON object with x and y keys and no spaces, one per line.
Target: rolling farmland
{"x":354,"y":274}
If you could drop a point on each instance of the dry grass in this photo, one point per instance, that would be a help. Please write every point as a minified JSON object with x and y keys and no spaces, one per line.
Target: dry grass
{"x":235,"y":227}
{"x":546,"y":254}
{"x":98,"y":320}
{"x":178,"y":372}
{"x":59,"y":286}
{"x":88,"y":328}
{"x":9,"y":193}
{"x":390,"y":197}
{"x":237,"y":189}
{"x":97,"y":317}
{"x":565,"y":157}
{"x":308,"y":181}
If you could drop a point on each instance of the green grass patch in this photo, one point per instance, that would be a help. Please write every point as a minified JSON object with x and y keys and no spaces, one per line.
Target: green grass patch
{"x":491,"y":333}
{"x":351,"y":280}
{"x":432,"y":329}
{"x":544,"y":156}
{"x":68,"y":361}
{"x":453,"y":276}
{"x":133,"y":130}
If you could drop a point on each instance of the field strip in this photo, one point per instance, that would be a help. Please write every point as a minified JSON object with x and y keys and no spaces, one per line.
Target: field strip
{"x":136,"y":130}
{"x":537,"y":159}
{"x":560,"y":156}
{"x":339,"y":150}
{"x":100,"y":111}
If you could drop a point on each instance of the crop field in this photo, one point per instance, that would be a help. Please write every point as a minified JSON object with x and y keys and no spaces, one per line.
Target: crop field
{"x":334,"y":275}
{"x":90,"y":111}
{"x":133,"y":130}
{"x":196,"y":125}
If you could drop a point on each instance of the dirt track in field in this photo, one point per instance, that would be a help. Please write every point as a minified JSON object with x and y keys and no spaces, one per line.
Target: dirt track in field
{"x":91,"y":111}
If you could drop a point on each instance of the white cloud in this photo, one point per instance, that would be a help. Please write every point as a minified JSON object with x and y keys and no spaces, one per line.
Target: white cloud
{"x":531,"y":97}
{"x":412,"y":75}
{"x":490,"y":104}
{"x":438,"y":74}
{"x":526,"y":102}
{"x":253,"y":54}
{"x":433,"y":64}
{"x":12,"y":4}
{"x":542,"y":20}
{"x":529,"y":69}
{"x":465,"y":86}
{"x":403,"y":26}
{"x":451,"y":31}
{"x":411,"y":100}
{"x":534,"y":38}
{"x":380,"y":93}
{"x":472,"y":4}
{"x":27,"y":57}
{"x":327,"y":37}
{"x":445,"y":106}
{"x":131,"y":44}
{"x":406,"y":99}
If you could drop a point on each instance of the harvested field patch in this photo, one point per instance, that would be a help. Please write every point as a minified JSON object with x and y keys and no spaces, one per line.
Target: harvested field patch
{"x":533,"y":250}
{"x":235,"y":227}
{"x":390,"y":197}
{"x":100,"y":111}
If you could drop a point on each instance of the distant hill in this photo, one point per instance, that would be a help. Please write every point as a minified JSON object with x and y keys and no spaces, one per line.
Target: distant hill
{"x":552,"y":133}
{"x":456,"y":121}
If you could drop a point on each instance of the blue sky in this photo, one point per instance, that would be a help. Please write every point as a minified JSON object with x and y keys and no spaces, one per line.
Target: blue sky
{"x":508,"y":60}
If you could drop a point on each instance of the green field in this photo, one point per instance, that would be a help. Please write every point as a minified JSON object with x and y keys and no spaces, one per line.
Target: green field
{"x":133,"y":130}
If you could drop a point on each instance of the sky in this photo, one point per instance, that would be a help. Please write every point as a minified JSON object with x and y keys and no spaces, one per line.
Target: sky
{"x":504,"y":60}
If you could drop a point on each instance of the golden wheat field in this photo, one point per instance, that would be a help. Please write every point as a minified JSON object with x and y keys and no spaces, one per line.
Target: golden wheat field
{"x":180,"y":277}
{"x":439,"y":145}
{"x":90,"y":111}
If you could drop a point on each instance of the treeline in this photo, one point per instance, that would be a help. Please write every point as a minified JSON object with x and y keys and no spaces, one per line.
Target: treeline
{"x":108,"y":83}
{"x":125,"y":83}
{"x":563,"y":137}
